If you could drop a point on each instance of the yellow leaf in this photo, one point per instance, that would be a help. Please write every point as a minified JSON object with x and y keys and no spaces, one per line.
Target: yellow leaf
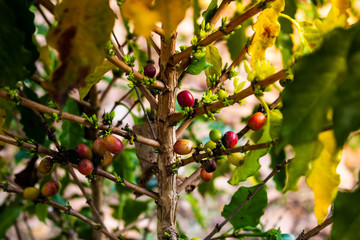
{"x":266,"y":30}
{"x":323,"y":178}
{"x":171,"y":13}
{"x":95,"y":77}
{"x":80,"y":36}
{"x":141,"y":14}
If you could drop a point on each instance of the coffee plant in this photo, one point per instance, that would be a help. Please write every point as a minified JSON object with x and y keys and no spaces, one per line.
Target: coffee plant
{"x":62,"y":62}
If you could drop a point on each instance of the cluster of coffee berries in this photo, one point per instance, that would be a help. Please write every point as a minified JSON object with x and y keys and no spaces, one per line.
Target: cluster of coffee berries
{"x":100,"y":154}
{"x":48,"y":189}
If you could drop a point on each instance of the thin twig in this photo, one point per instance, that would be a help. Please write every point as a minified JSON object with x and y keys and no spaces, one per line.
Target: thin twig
{"x":50,"y":132}
{"x":153,"y":44}
{"x":128,"y":112}
{"x":188,"y":180}
{"x":219,"y":12}
{"x":107,"y":90}
{"x":236,"y":62}
{"x":43,"y":150}
{"x":42,"y":14}
{"x":126,"y":183}
{"x":218,"y":227}
{"x":315,"y":230}
{"x":117,"y":50}
{"x":218,"y":34}
{"x":66,"y":209}
{"x":176,"y":117}
{"x":121,"y":99}
{"x":74,"y":118}
{"x":88,"y":199}
{"x":159,"y":31}
{"x":197,"y":158}
{"x":120,"y":64}
{"x":146,"y":115}
{"x":48,"y":5}
{"x":40,"y":149}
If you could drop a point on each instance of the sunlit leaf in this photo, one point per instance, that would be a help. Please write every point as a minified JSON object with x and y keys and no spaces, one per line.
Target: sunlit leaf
{"x":210,"y":11}
{"x":346,"y":216}
{"x":214,"y":58}
{"x":238,"y":39}
{"x":171,"y":14}
{"x":140,"y":13}
{"x":80,"y":37}
{"x":323,"y":179}
{"x":250,"y":213}
{"x":95,"y":77}
{"x":196,"y":67}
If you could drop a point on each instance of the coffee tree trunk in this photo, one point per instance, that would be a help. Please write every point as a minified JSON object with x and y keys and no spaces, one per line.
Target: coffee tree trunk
{"x":167,"y":203}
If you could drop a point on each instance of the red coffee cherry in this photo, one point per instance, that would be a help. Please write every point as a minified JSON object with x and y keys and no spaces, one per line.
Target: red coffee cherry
{"x":183,"y":146}
{"x":99,"y":146}
{"x":149,"y":71}
{"x":85,"y":167}
{"x":50,"y":189}
{"x":113,"y":144}
{"x":107,"y":159}
{"x":257,"y":121}
{"x":83,"y":151}
{"x":205,"y":176}
{"x":230,"y":139}
{"x":185,"y":99}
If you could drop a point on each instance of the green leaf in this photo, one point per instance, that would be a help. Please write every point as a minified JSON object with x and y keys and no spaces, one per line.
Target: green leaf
{"x":80,"y":36}
{"x":13,"y":54}
{"x":305,"y":153}
{"x":41,"y":211}
{"x":250,"y":213}
{"x":25,"y":23}
{"x":72,"y":134}
{"x":196,"y":15}
{"x":124,"y":166}
{"x":214,"y":58}
{"x":196,"y":67}
{"x":347,"y":100}
{"x":210,"y":11}
{"x":280,"y":177}
{"x":307,"y":100}
{"x":141,"y":55}
{"x":95,"y":77}
{"x":283,"y":40}
{"x":238,"y":39}
{"x":32,"y":125}
{"x":199,"y":216}
{"x":346,"y":216}
{"x":8,"y":215}
{"x":133,"y":209}
{"x":251,"y":162}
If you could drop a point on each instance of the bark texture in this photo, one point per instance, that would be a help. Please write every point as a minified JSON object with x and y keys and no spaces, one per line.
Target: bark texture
{"x":167,"y":203}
